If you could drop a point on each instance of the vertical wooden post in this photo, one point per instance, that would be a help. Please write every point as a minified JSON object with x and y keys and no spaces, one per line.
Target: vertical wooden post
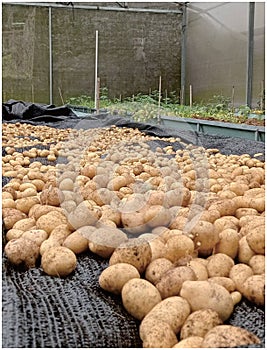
{"x":159,"y":99}
{"x":60,"y":94}
{"x":190,"y":96}
{"x":233,"y":98}
{"x":96,"y":66}
{"x":98,"y":96}
{"x":262,"y":95}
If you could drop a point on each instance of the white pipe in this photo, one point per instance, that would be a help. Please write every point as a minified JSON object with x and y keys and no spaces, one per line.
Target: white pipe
{"x":103,"y":8}
{"x":50,"y":56}
{"x":96,"y":65}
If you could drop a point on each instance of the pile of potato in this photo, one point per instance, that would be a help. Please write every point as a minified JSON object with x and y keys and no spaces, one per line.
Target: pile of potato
{"x":184,"y":230}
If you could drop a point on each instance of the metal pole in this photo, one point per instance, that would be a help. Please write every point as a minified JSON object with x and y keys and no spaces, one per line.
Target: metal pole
{"x":50,"y":56}
{"x":183,"y":52}
{"x":96,"y":66}
{"x":250,"y":54}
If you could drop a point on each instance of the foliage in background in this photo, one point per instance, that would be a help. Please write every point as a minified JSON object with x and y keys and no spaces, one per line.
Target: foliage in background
{"x":142,"y":107}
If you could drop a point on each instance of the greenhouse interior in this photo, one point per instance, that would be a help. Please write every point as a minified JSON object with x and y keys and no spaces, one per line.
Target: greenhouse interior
{"x":133,"y":174}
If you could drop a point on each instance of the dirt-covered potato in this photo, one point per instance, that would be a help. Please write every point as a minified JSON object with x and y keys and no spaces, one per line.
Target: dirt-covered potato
{"x":50,"y":221}
{"x":157,"y":215}
{"x":139,"y":297}
{"x":22,"y":251}
{"x":13,"y":233}
{"x":135,"y":251}
{"x":104,"y":241}
{"x":228,"y":243}
{"x":190,"y":342}
{"x":257,"y":263}
{"x":158,"y":334}
{"x":227,"y":336}
{"x":37,"y":236}
{"x":51,"y":196}
{"x":254,"y":289}
{"x":157,"y":268}
{"x":60,"y":233}
{"x":11,"y":216}
{"x":245,"y":253}
{"x":114,"y":277}
{"x":76,"y":242}
{"x":205,"y":237}
{"x":239,"y":273}
{"x":226,"y":282}
{"x":171,"y":281}
{"x":179,"y":246}
{"x":219,"y":265}
{"x":199,"y":269}
{"x":256,"y":239}
{"x":58,"y":261}
{"x":24,"y":224}
{"x":208,"y":295}
{"x":199,"y":322}
{"x":173,"y":310}
{"x":84,"y":215}
{"x":25,"y":204}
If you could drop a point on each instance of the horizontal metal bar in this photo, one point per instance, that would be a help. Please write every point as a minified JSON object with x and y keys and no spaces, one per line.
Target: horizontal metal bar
{"x":100,"y":8}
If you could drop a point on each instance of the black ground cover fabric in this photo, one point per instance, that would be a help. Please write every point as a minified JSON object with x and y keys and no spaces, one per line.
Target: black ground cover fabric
{"x":41,"y":311}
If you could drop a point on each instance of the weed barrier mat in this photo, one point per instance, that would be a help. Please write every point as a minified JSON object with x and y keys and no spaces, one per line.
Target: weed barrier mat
{"x":40,"y":311}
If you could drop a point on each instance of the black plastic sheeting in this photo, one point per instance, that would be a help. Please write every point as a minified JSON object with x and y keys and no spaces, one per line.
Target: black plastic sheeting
{"x":41,"y":311}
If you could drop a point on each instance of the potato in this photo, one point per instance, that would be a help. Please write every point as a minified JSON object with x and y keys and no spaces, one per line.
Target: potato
{"x":132,"y":214}
{"x":37,"y":236}
{"x":250,"y":220}
{"x":190,"y":342}
{"x":50,"y":221}
{"x":236,"y":297}
{"x":239,"y":274}
{"x":48,"y":244}
{"x":83,"y":215}
{"x":238,"y":188}
{"x":13,"y":233}
{"x":58,"y":261}
{"x":22,"y":251}
{"x":245,"y":211}
{"x":60,"y":233}
{"x":173,"y":310}
{"x":114,"y":277}
{"x":51,"y":196}
{"x":219,"y":265}
{"x":157,"y":268}
{"x":139,"y":297}
{"x":158,"y":248}
{"x":226,"y":222}
{"x":208,"y":295}
{"x":104,"y":241}
{"x":257,"y":204}
{"x":254,"y":289}
{"x":39,"y":210}
{"x":210,"y":215}
{"x":112,"y":214}
{"x":226,"y":282}
{"x":76,"y":242}
{"x":157,"y":215}
{"x":158,"y":334}
{"x":25,"y":204}
{"x":24,"y":224}
{"x":257,"y":263}
{"x":136,"y":252}
{"x":227,"y":336}
{"x":179,"y":246}
{"x":8,"y":203}
{"x":256,"y":239}
{"x":228,"y":243}
{"x":171,"y":281}
{"x":245,"y":253}
{"x":11,"y":216}
{"x":205,"y":237}
{"x":199,"y":269}
{"x":225,"y":206}
{"x":199,"y":322}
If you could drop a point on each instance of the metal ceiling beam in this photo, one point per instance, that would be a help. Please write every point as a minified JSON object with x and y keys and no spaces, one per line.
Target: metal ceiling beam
{"x":100,"y":8}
